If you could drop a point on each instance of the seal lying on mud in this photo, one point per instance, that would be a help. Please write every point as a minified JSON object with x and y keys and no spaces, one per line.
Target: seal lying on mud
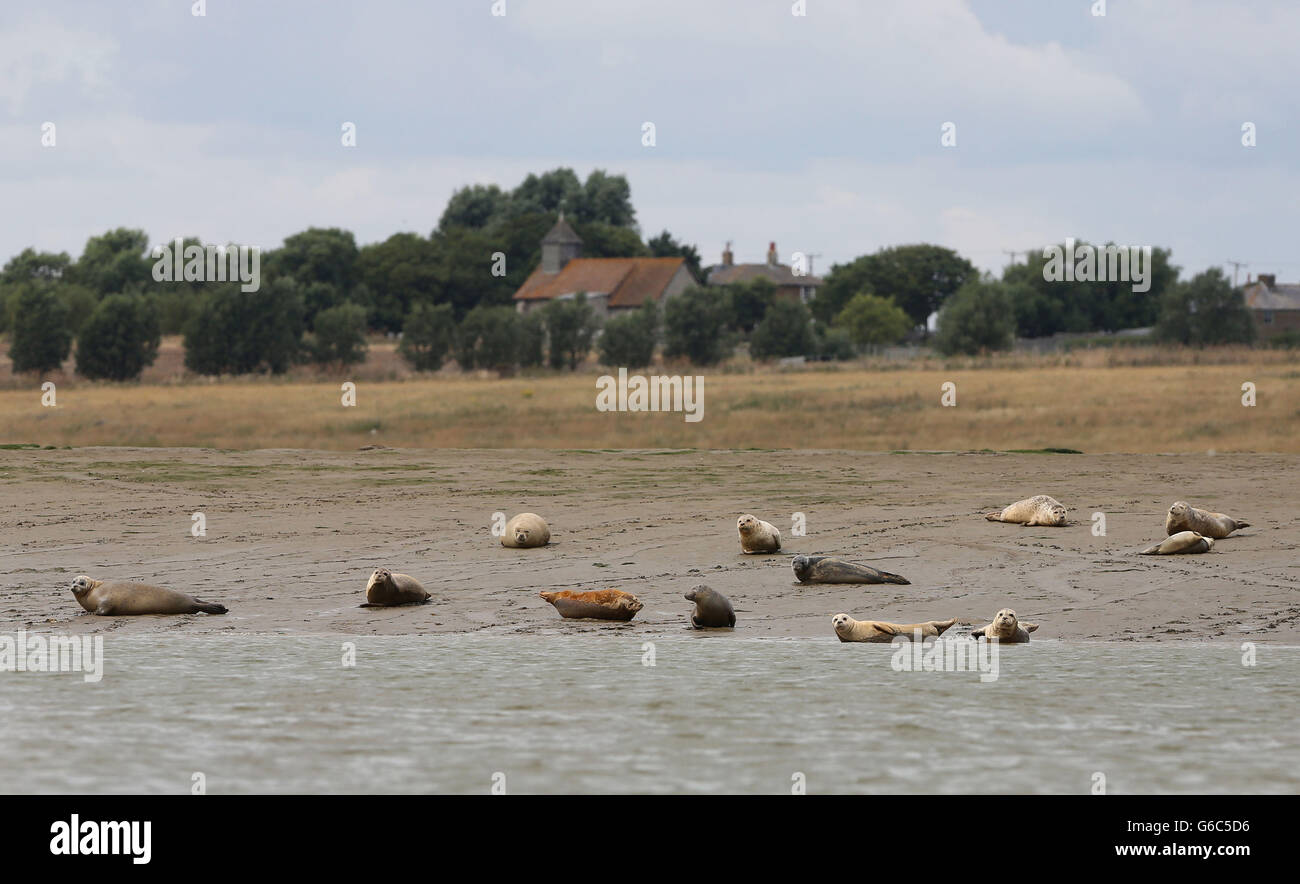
{"x":1037,"y":510}
{"x":386,"y":589}
{"x":1182,"y":542}
{"x":526,"y":530}
{"x":712,"y":609}
{"x":119,"y":599}
{"x":824,"y":569}
{"x":1005,"y":628}
{"x":1185,"y":517}
{"x":599,"y":604}
{"x":757,"y":536}
{"x":850,"y":630}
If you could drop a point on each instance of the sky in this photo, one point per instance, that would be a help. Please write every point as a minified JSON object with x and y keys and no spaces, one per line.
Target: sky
{"x":821,"y":132}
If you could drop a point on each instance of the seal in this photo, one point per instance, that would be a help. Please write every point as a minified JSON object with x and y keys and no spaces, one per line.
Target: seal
{"x":757,"y":536}
{"x":526,"y":530}
{"x":824,"y":569}
{"x":1185,"y":517}
{"x":712,"y":609}
{"x":1005,"y":628}
{"x":1037,"y":510}
{"x":386,"y":590}
{"x":850,"y":630}
{"x":599,"y":604}
{"x":121,"y":598}
{"x":1182,"y":542}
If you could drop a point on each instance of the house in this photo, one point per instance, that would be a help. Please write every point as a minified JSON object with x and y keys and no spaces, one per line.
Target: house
{"x":612,"y":285}
{"x":790,"y":282}
{"x":1275,"y":308}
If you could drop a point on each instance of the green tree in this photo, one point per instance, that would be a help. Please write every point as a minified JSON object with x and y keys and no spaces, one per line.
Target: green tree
{"x":339,"y":336}
{"x":30,"y":264}
{"x":748,"y":302}
{"x":629,"y":340}
{"x":478,"y":206}
{"x":664,"y":246}
{"x":116,"y":261}
{"x":833,"y":343}
{"x":786,"y":330}
{"x":238,"y":332}
{"x":488,"y":337}
{"x":427,"y":336}
{"x":532,"y":339}
{"x":978,"y":318}
{"x":872,"y":321}
{"x":1205,"y":310}
{"x":327,"y":256}
{"x":571,"y":325}
{"x":39,"y":338}
{"x":400,"y":272}
{"x":918,"y":278}
{"x":695,"y":326}
{"x":120,"y":339}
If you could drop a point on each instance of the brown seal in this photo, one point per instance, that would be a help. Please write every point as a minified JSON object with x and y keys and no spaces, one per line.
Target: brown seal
{"x":1037,"y":510}
{"x":386,"y":589}
{"x":757,"y":536}
{"x":1182,"y":542}
{"x":526,"y":530}
{"x":1005,"y":628}
{"x":121,"y":598}
{"x":712,"y":609}
{"x":1185,"y":517}
{"x":824,"y":569}
{"x":850,"y":630}
{"x":599,"y":604}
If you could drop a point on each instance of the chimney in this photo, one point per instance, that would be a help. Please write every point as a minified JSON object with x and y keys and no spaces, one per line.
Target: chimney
{"x":771,"y":254}
{"x":727,"y":257}
{"x":1269,"y":280}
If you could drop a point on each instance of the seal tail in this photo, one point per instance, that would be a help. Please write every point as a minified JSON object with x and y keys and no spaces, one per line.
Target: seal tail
{"x":211,"y":608}
{"x":1150,"y":550}
{"x":1240,"y":524}
{"x":994,"y":517}
{"x":886,"y":577}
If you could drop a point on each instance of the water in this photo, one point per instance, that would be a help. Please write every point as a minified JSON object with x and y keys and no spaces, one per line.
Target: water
{"x":583,"y":714}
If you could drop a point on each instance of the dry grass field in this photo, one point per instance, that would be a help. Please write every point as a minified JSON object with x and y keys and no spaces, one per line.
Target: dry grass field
{"x":1124,"y":400}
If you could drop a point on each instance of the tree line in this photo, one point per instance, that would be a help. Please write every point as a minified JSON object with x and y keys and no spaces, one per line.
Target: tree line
{"x":449,"y":295}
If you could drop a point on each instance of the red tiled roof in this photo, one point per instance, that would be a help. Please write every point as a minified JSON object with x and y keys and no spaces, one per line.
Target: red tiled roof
{"x":627,"y":281}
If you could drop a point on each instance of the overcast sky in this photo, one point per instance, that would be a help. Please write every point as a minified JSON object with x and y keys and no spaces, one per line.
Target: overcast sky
{"x":820,"y":132}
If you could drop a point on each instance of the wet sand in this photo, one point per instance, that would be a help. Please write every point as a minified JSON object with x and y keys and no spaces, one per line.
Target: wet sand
{"x":293,"y":535}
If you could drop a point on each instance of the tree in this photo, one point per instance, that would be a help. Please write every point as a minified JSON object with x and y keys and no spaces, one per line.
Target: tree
{"x":748,"y":303}
{"x":571,"y":325}
{"x":1205,"y":310}
{"x":478,"y":205}
{"x":606,"y":199}
{"x":872,"y":321}
{"x":978,"y":318}
{"x":120,"y":339}
{"x":532,"y":339}
{"x":317,"y":255}
{"x":339,"y":336}
{"x":40,"y":338}
{"x":786,"y":330}
{"x":832,"y":343}
{"x":116,"y":261}
{"x":629,"y":340}
{"x":30,"y":264}
{"x":918,"y":278}
{"x":427,"y":336}
{"x":238,"y":332}
{"x":548,"y":192}
{"x":400,"y":272}
{"x":601,"y":240}
{"x":695,"y":325}
{"x":664,"y":246}
{"x":488,"y":337}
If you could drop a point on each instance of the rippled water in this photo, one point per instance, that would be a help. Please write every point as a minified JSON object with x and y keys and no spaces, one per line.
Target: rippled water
{"x":584,"y":714}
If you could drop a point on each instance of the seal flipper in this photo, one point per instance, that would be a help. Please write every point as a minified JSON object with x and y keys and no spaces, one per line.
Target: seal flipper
{"x":210,"y":607}
{"x":886,"y":577}
{"x":1150,"y":550}
{"x":942,"y":626}
{"x":1029,"y":627}
{"x":978,"y":633}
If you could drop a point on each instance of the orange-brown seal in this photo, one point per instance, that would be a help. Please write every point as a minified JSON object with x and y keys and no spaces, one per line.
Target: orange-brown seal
{"x":122,"y":598}
{"x":1185,"y":517}
{"x":598,"y":604}
{"x":757,"y":536}
{"x":850,"y":630}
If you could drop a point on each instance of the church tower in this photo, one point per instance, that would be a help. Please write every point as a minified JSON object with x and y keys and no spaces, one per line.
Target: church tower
{"x":560,"y":246}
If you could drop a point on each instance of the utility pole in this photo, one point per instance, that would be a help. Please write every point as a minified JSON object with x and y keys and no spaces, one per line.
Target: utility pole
{"x":1012,"y":253}
{"x":810,"y":262}
{"x":1236,"y":265}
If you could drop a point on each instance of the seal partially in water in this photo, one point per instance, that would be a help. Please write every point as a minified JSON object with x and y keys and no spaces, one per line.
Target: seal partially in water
{"x":599,"y":604}
{"x":386,"y":589}
{"x":1185,"y":517}
{"x":757,"y":536}
{"x":1182,"y":542}
{"x":122,"y":598}
{"x":712,"y":609}
{"x":1038,"y":510}
{"x":825,"y":569}
{"x":850,"y":630}
{"x":526,"y":530}
{"x":1006,"y":628}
